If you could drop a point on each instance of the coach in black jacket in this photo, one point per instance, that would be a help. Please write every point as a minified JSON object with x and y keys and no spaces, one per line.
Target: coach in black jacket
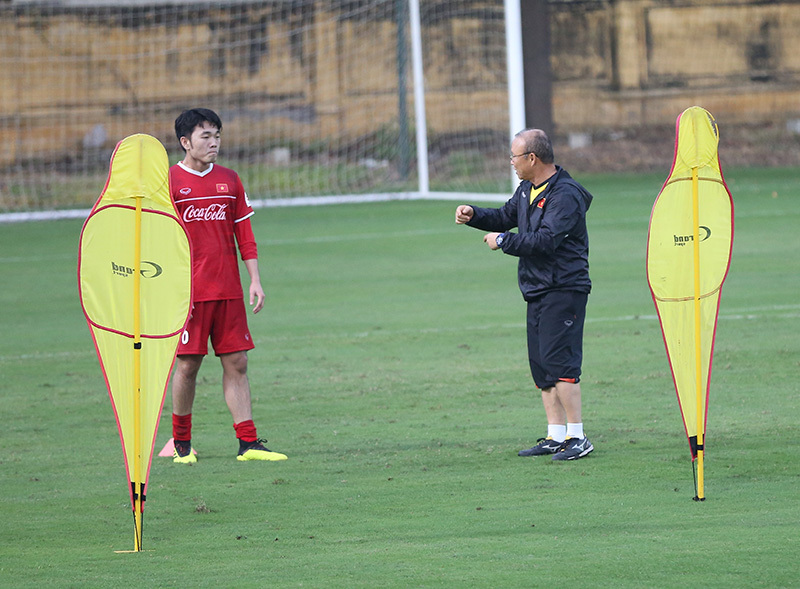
{"x":552,"y":244}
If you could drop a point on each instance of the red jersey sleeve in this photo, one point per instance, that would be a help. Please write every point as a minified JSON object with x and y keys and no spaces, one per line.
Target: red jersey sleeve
{"x":242,"y":227}
{"x":245,"y":239}
{"x":242,"y":208}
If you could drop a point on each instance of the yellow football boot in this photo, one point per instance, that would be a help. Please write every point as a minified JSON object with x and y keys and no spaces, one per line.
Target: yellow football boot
{"x":257,"y":451}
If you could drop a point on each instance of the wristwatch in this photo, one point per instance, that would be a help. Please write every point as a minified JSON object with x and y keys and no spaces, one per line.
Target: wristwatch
{"x":499,"y":240}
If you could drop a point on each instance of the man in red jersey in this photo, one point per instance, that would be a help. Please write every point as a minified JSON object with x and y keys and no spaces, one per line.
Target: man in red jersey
{"x":216,"y":212}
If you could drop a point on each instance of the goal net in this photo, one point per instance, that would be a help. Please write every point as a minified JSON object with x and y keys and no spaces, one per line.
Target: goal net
{"x":316,"y":96}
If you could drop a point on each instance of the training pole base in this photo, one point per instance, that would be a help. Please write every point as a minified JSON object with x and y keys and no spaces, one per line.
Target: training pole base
{"x":696,"y":498}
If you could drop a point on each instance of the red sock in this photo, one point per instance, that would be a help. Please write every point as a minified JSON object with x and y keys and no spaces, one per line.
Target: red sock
{"x":182,"y":427}
{"x":246,"y":431}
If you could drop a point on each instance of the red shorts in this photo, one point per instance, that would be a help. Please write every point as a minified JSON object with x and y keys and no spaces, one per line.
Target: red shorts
{"x":225,"y":322}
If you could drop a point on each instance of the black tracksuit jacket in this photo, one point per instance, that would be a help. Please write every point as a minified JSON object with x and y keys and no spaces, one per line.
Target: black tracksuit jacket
{"x":552,"y":243}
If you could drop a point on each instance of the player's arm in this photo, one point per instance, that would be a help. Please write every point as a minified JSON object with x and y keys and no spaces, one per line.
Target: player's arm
{"x":257,"y":295}
{"x":248,"y":249}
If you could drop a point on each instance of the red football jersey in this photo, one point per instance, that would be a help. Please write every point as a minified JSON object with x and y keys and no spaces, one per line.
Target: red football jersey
{"x":216,"y":212}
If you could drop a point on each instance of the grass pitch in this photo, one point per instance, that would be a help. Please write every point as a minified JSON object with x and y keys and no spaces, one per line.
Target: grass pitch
{"x":391,"y":367}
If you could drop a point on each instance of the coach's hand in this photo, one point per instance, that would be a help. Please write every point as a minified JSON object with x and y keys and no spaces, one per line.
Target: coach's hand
{"x":464,"y":214}
{"x":490,"y":239}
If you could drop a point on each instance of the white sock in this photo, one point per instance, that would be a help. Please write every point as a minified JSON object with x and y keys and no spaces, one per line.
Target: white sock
{"x":574,"y":430}
{"x":557,"y":432}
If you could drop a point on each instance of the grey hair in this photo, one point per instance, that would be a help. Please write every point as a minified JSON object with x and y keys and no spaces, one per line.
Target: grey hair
{"x":538,"y":143}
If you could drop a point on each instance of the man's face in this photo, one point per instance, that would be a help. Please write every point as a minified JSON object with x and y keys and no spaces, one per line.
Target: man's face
{"x":522,"y":162}
{"x":203,"y":145}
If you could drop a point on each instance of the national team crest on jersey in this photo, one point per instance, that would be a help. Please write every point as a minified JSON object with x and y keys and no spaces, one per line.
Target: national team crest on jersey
{"x":222,"y":188}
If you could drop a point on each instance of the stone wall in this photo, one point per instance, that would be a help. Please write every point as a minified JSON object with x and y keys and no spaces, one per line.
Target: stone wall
{"x":638,"y":62}
{"x":315,"y":72}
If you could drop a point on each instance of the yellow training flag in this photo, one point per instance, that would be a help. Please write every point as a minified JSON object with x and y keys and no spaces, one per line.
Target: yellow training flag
{"x":688,"y":254}
{"x":135,"y":278}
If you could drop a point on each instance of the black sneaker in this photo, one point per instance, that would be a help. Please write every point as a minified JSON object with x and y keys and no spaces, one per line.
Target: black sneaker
{"x":574,"y":448}
{"x":183,"y":452}
{"x":545,"y":446}
{"x":257,"y":451}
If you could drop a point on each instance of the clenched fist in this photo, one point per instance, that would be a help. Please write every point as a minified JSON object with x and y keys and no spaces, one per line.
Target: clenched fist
{"x":463,"y":214}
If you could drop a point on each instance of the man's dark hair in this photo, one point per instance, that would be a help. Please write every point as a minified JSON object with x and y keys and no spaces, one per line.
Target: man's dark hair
{"x":188,"y":120}
{"x":538,"y":143}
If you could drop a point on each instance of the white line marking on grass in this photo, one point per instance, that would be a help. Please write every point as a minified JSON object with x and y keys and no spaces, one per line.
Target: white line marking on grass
{"x":298,"y":201}
{"x":734,"y":314}
{"x":505,"y":326}
{"x":44,"y":215}
{"x":301,"y":201}
{"x":47,"y":356}
{"x":25,"y":259}
{"x":349,"y":237}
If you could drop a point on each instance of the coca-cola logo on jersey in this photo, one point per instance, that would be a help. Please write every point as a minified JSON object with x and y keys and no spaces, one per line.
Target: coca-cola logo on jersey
{"x":214,"y":212}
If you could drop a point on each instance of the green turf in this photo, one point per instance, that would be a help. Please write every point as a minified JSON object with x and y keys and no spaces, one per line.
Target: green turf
{"x":391,"y":367}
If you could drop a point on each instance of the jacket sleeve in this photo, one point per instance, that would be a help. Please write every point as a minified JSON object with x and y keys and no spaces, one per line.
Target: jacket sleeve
{"x":564,"y":209}
{"x":501,"y":219}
